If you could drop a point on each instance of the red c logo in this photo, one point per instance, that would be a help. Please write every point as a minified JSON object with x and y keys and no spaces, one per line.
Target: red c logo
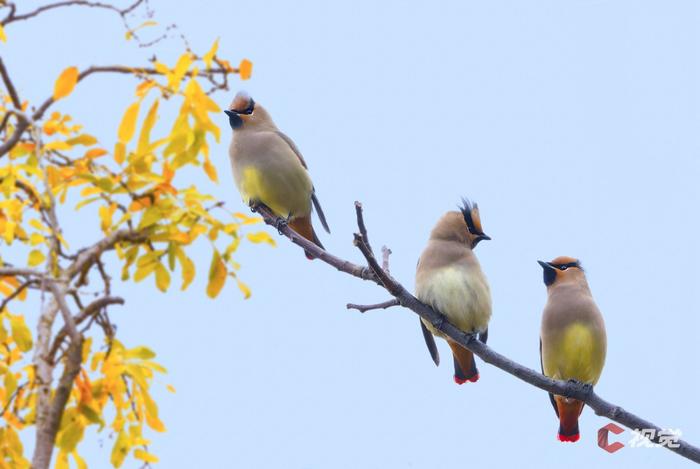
{"x":603,"y":438}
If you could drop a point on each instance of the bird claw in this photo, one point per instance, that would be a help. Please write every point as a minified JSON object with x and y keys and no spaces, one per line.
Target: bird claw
{"x":253,"y":205}
{"x":281,"y":223}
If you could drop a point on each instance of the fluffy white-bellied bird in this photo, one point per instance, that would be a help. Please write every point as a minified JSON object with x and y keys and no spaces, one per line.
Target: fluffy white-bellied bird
{"x":572,"y":339}
{"x":449,"y":278}
{"x":268,"y":167}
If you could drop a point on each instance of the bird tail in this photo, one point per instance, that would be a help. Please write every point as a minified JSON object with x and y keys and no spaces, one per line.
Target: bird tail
{"x":303,"y":227}
{"x":568,"y":410}
{"x":465,"y":365}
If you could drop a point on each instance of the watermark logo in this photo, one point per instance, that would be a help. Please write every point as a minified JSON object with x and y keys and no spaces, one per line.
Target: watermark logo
{"x":641,"y":438}
{"x":603,"y":438}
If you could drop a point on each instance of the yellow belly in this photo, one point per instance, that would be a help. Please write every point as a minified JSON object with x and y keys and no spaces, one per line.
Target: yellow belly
{"x":577,"y":354}
{"x":459,"y":294}
{"x":288,"y":194}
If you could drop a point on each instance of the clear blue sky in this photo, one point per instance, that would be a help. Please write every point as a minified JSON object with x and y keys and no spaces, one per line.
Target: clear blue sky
{"x":573,"y":124}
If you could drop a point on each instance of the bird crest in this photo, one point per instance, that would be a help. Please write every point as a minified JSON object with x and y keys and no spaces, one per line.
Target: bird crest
{"x":470,"y":211}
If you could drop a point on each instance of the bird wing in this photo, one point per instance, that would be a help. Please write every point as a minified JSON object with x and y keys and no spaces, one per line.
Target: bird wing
{"x":314,"y":199}
{"x":551,"y":396}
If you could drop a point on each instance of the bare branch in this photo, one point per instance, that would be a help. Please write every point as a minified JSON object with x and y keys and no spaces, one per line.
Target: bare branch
{"x":90,"y":255}
{"x":10,"y":86}
{"x":574,"y":389}
{"x":365,"y":308}
{"x":10,"y":271}
{"x":361,"y":224}
{"x":12,"y":17}
{"x":86,"y":312}
{"x":344,"y":266}
{"x":16,"y":293}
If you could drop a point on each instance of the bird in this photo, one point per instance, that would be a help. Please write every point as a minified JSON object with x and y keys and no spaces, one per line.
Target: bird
{"x":268,"y":168}
{"x":573,"y":341}
{"x":450,"y":280}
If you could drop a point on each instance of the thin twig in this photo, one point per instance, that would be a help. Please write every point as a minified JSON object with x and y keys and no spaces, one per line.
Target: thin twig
{"x":361,"y":224}
{"x":365,"y":308}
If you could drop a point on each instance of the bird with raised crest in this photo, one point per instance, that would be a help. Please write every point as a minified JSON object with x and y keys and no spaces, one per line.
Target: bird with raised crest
{"x":450,"y":280}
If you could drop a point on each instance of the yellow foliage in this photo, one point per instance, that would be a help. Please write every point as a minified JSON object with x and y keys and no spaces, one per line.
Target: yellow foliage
{"x":145,"y":185}
{"x":128,"y":124}
{"x":217,"y":275}
{"x":245,"y":69}
{"x":65,"y":83}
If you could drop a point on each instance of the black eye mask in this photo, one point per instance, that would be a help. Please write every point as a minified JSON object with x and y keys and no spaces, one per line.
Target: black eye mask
{"x":234,"y":119}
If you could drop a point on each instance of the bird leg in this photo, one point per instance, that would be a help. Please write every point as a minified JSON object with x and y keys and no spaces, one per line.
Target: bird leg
{"x":282,"y":223}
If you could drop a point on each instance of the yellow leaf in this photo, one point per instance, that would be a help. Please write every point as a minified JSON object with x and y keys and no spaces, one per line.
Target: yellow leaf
{"x":119,"y":152}
{"x":82,"y":139}
{"x":145,"y":137}
{"x":209,"y":56}
{"x":144,"y":353}
{"x":3,"y":36}
{"x":170,"y":388}
{"x":95,"y":152}
{"x":71,"y":435}
{"x":36,"y":238}
{"x":65,"y":83}
{"x":120,"y":449}
{"x":62,"y":460}
{"x":245,"y":69}
{"x":181,"y":67}
{"x":260,"y":237}
{"x":36,"y":257}
{"x":144,"y":456}
{"x":58,"y":145}
{"x":244,"y":288}
{"x":162,"y":277}
{"x":210,"y":169}
{"x":80,"y":462}
{"x":20,"y":333}
{"x":188,"y":269}
{"x":217,"y":275}
{"x":128,"y":124}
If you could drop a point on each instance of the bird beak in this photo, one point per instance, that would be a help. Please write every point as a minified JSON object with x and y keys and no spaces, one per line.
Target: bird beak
{"x":545,"y":265}
{"x":485,"y":237}
{"x":234,"y":119}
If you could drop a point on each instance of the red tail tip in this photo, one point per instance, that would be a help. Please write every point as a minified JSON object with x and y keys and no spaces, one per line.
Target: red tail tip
{"x":568,"y":438}
{"x":473,"y":379}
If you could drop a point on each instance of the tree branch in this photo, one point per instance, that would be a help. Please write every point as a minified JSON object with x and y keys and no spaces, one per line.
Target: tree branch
{"x":10,"y":86}
{"x":365,"y":308}
{"x":48,"y":426}
{"x":12,"y":17}
{"x":90,"y":255}
{"x":574,"y":389}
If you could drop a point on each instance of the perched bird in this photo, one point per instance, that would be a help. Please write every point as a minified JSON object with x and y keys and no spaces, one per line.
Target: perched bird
{"x":572,"y":339}
{"x":449,"y":278}
{"x":268,"y":167}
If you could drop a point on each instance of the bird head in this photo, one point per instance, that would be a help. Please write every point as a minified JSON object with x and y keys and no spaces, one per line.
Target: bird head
{"x":245,"y":111}
{"x":463,"y":226}
{"x":561,"y":269}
